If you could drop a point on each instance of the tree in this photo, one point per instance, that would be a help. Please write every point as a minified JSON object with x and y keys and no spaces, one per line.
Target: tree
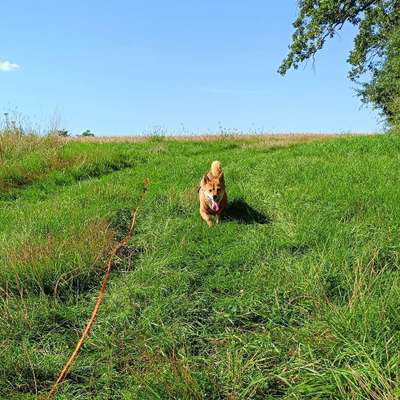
{"x":375,"y":58}
{"x":61,"y":132}
{"x":87,"y":133}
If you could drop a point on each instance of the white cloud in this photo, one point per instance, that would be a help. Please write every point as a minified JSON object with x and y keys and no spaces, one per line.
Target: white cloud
{"x":6,"y":66}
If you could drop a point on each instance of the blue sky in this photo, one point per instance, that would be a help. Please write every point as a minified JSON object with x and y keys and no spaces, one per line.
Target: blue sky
{"x":129,"y":67}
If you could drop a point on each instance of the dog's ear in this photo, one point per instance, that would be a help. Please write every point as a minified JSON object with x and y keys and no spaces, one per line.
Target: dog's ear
{"x":205,"y":180}
{"x":221,"y":177}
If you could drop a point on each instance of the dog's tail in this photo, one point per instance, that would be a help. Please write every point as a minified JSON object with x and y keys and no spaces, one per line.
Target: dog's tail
{"x":216,"y":169}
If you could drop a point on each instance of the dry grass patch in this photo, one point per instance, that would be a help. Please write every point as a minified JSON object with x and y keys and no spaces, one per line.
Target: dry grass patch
{"x":16,"y":144}
{"x":24,"y":157}
{"x":282,"y":137}
{"x":277,"y":141}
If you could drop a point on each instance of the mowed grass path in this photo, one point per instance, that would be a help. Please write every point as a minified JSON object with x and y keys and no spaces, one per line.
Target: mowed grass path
{"x":297,"y":296}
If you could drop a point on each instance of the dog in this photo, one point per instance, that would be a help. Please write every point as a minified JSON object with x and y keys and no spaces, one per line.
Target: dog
{"x":212,"y":194}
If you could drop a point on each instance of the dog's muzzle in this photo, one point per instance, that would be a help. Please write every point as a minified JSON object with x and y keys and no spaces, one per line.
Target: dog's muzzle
{"x":215,"y":204}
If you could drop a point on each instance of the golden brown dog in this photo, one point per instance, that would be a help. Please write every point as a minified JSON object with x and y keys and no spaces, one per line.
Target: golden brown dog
{"x":212,"y":194}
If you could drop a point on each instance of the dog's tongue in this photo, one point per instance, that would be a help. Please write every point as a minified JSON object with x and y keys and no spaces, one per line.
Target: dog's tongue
{"x":215,"y":206}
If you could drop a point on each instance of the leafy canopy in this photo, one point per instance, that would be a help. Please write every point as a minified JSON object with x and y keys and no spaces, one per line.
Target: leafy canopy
{"x":375,"y":57}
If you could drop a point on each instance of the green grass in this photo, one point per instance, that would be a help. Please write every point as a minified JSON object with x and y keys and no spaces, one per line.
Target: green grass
{"x":297,"y":296}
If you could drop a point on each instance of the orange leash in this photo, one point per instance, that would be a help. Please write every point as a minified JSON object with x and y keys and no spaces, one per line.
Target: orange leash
{"x":89,"y":324}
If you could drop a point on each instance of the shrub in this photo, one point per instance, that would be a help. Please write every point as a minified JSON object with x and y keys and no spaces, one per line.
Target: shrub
{"x":87,"y":133}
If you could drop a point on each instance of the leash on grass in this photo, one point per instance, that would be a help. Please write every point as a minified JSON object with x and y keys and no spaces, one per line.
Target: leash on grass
{"x":90,"y":321}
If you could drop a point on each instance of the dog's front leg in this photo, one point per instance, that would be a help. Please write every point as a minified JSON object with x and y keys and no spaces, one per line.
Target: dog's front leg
{"x":206,"y":217}
{"x":218,"y":218}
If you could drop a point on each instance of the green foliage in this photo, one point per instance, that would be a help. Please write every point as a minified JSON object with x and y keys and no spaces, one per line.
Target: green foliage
{"x":61,"y":132}
{"x":384,"y":88}
{"x":376,"y":52}
{"x":295,"y":296}
{"x":87,"y":133}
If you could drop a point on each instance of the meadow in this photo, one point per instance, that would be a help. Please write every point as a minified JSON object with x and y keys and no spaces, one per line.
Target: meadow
{"x":296,"y":295}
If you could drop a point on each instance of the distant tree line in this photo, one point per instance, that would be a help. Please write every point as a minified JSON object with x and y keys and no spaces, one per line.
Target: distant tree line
{"x":65,"y":133}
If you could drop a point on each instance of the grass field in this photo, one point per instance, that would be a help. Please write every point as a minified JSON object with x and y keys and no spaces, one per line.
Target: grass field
{"x":296,"y":295}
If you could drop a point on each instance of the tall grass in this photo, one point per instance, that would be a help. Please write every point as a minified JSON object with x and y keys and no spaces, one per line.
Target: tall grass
{"x":25,"y":156}
{"x":294,"y":296}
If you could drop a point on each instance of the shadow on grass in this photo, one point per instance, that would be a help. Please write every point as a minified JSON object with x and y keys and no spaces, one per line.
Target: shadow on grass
{"x":239,"y":210}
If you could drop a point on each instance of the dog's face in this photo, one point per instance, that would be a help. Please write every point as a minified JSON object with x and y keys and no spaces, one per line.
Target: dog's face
{"x":213,"y":187}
